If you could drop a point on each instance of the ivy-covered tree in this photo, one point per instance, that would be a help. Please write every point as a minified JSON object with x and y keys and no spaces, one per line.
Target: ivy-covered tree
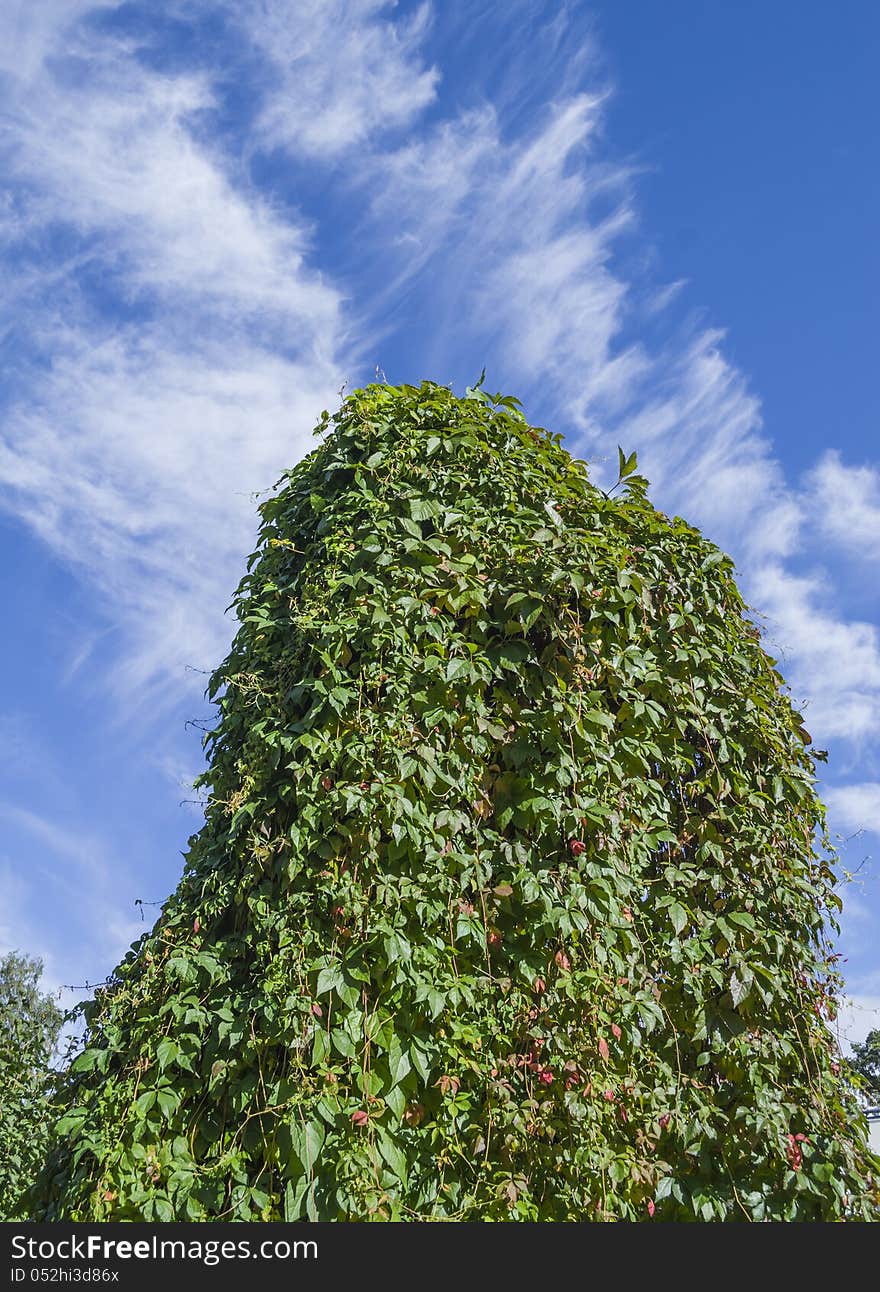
{"x":30,"y":1024}
{"x":513,"y":892}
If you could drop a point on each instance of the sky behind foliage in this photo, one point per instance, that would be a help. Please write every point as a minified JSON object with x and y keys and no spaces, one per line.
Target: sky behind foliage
{"x":654,"y":224}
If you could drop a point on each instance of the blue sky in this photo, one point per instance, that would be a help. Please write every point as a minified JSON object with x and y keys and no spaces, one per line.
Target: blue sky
{"x":655,"y":224}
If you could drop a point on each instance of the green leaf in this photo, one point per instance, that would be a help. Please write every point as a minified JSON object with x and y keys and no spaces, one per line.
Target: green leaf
{"x":311,"y":1141}
{"x":398,"y":1063}
{"x":457,"y":668}
{"x":626,"y":465}
{"x":328,"y":979}
{"x":85,"y":1061}
{"x":511,"y":653}
{"x":739,"y":990}
{"x":397,"y":948}
{"x":72,"y":1121}
{"x":475,"y":391}
{"x":393,"y":1155}
{"x":423,"y":509}
{"x":167,"y":1101}
{"x":396,"y":1101}
{"x":320,"y":1047}
{"x":420,"y":1061}
{"x":342,"y":1043}
{"x":294,"y":1193}
{"x":166,"y":1052}
{"x":679,"y":917}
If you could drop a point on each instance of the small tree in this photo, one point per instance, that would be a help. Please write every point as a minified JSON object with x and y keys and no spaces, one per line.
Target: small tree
{"x":865,"y":1060}
{"x":30,"y":1023}
{"x":512,"y":898}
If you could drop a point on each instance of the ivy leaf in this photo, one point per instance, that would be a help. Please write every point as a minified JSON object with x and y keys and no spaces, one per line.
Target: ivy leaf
{"x":329,"y":978}
{"x":396,"y":1101}
{"x":72,"y":1121}
{"x":738,"y":990}
{"x":166,"y":1052}
{"x":679,"y":917}
{"x":626,"y":465}
{"x":167,"y":1101}
{"x":398,"y":1064}
{"x":310,"y":1141}
{"x":420,"y":1061}
{"x":393,"y":1155}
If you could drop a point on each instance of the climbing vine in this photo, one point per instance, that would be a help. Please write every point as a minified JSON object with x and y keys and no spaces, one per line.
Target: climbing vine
{"x":513,"y":893}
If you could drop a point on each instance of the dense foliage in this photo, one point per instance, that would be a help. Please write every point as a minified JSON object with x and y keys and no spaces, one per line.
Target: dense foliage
{"x":30,"y":1023}
{"x":511,"y":899}
{"x":865,"y":1060}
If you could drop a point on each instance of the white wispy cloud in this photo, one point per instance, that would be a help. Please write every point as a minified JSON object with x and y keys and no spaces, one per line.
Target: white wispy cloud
{"x":844,"y":505}
{"x":138,"y":467}
{"x":855,"y":807}
{"x":336,"y":72}
{"x":831,"y":663}
{"x":518,"y":222}
{"x":140,"y":424}
{"x":535,"y":228}
{"x":31,"y":31}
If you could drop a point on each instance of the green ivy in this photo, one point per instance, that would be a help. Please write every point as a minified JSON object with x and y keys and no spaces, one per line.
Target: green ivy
{"x":512,"y":897}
